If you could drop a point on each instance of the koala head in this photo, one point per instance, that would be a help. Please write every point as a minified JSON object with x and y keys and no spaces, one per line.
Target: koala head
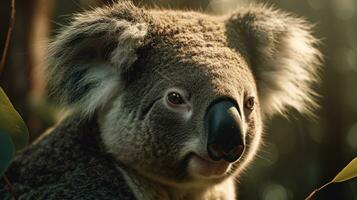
{"x":180,"y":96}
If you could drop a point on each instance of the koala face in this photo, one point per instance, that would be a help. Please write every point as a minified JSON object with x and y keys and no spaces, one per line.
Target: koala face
{"x":180,"y":96}
{"x":158,"y":122}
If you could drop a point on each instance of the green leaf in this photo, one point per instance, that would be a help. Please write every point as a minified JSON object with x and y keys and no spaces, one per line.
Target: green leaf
{"x":349,"y":172}
{"x":7,"y":151}
{"x":12,"y":123}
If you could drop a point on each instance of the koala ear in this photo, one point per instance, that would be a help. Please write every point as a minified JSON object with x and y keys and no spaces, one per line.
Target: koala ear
{"x":282,"y":55}
{"x":88,"y":57}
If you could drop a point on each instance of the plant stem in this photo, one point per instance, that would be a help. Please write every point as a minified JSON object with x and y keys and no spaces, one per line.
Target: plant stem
{"x":8,"y":36}
{"x":316,"y":190}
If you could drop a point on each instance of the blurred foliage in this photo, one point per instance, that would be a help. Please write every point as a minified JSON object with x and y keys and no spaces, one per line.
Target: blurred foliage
{"x":12,"y":123}
{"x":14,"y":135}
{"x":299,"y":154}
{"x":7,"y":151}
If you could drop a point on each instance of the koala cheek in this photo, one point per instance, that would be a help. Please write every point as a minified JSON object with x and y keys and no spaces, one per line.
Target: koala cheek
{"x":168,"y":130}
{"x":118,"y":143}
{"x":119,"y":134}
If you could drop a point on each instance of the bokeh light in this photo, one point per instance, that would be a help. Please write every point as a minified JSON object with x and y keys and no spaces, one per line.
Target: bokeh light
{"x":317,"y":4}
{"x":343,"y":9}
{"x":352,"y":136}
{"x":274,"y":191}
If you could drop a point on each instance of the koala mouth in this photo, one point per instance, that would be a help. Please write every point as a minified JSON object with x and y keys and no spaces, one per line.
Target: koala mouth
{"x":204,"y":167}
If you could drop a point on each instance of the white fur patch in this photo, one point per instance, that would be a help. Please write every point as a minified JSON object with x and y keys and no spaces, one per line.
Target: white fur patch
{"x":132,"y":37}
{"x":292,"y":70}
{"x":106,"y":86}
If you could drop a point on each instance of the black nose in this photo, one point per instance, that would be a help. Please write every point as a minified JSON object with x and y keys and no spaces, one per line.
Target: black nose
{"x":225,"y":137}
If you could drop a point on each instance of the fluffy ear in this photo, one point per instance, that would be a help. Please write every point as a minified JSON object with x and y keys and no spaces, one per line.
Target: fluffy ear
{"x":282,"y":54}
{"x":89,"y":57}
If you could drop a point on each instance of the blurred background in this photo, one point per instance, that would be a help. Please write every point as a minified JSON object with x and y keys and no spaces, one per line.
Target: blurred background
{"x":299,"y":153}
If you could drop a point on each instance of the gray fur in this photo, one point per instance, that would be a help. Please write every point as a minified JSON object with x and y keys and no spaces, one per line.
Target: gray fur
{"x":116,"y":64}
{"x":67,"y":163}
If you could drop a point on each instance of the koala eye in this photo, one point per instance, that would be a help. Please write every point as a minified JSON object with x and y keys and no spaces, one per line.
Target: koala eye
{"x":175,"y":98}
{"x":249,"y":103}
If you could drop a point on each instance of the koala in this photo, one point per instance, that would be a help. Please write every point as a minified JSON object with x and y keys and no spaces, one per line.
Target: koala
{"x":166,"y":104}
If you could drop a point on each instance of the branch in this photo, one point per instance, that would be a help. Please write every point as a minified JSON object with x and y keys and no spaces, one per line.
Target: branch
{"x":8,"y":36}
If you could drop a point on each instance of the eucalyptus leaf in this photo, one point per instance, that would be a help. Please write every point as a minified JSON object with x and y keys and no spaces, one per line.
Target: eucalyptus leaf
{"x":12,"y":123}
{"x":7,"y":151}
{"x":349,"y":172}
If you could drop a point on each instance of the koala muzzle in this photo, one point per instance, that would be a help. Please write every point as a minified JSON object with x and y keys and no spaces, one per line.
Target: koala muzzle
{"x":224,"y":128}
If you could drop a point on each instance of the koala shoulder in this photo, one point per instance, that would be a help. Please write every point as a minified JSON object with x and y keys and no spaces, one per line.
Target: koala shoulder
{"x":68,"y":163}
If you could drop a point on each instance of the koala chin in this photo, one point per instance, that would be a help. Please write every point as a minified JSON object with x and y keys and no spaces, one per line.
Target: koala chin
{"x":167,"y":104}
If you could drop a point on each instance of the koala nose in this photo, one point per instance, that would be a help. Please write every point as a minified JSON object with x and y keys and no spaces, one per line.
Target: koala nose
{"x":225,"y":137}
